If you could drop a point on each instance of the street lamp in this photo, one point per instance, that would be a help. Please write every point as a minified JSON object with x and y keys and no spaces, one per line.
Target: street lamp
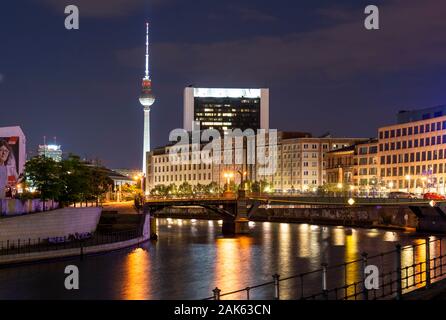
{"x":340,"y":186}
{"x":228,"y":176}
{"x":408,"y":177}
{"x":242,"y":178}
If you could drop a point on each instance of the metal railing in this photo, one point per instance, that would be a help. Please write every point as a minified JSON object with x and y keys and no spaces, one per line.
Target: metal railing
{"x":399,"y":271}
{"x":24,"y":246}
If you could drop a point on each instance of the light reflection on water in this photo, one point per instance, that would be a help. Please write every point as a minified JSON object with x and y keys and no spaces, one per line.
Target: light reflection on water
{"x":137,"y":264}
{"x":191,"y":258}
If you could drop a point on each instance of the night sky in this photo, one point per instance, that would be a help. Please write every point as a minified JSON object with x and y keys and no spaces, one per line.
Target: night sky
{"x":326,"y":73}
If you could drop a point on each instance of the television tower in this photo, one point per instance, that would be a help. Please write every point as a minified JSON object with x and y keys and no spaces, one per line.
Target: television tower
{"x":147,"y":99}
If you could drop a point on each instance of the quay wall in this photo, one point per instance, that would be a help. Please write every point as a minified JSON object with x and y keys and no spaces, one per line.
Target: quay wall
{"x":12,"y":207}
{"x":27,"y":257}
{"x":49,"y":224}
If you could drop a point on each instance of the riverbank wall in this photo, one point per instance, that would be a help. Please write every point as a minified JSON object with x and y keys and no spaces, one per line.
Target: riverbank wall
{"x":113,"y":242}
{"x":49,"y":224}
{"x":13,"y":207}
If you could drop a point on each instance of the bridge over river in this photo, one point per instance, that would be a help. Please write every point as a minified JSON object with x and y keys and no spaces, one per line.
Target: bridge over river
{"x":237,"y":211}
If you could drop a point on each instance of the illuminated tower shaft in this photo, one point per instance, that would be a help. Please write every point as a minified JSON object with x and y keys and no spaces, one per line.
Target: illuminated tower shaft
{"x":146,"y":138}
{"x":147,"y":99}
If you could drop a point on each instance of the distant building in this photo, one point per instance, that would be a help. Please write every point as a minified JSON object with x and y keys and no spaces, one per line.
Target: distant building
{"x":421,"y":114}
{"x":355,"y":167}
{"x":300,"y":164}
{"x":224,"y":109}
{"x":115,"y":193}
{"x":52,"y":151}
{"x":130,"y":173}
{"x":12,"y":158}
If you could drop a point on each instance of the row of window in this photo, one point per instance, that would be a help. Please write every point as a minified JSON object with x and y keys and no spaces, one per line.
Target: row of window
{"x":419,"y":129}
{"x":297,"y":182}
{"x":185,"y":177}
{"x":413,"y":170}
{"x":413,"y":157}
{"x":416,"y":143}
{"x":174,"y":168}
{"x":368,"y":172}
{"x":368,"y":150}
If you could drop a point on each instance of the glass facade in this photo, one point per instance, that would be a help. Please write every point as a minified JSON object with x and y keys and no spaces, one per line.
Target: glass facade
{"x":227,"y":113}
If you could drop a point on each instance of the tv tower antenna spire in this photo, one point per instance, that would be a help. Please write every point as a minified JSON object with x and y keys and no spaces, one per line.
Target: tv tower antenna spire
{"x":147,"y":52}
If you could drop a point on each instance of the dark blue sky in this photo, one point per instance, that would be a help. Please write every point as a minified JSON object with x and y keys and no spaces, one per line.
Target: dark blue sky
{"x":324,"y":70}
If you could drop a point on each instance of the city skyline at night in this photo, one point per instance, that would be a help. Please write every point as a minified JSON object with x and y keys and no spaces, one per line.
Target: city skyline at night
{"x":222,"y":158}
{"x":296,"y":53}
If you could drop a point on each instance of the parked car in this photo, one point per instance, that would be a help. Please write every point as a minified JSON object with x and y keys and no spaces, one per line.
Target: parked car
{"x":401,"y":195}
{"x":433,"y":196}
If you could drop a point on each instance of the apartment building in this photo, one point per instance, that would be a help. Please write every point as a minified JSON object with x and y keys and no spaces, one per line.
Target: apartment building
{"x":299,"y":163}
{"x":412,"y":152}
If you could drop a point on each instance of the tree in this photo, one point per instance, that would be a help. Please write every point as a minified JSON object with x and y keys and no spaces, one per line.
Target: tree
{"x":159,"y":190}
{"x":185,"y":189}
{"x":212,"y":188}
{"x":172,"y":190}
{"x":199,"y":189}
{"x":43,"y":174}
{"x":98,"y":183}
{"x":75,"y":179}
{"x":260,"y":186}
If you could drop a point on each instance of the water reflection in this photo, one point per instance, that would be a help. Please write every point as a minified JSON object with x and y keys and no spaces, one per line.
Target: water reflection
{"x":304,"y":246}
{"x":233,"y":256}
{"x":352,"y":270}
{"x":338,"y":236}
{"x":191,"y":258}
{"x":137,"y":280}
{"x":390,"y":236}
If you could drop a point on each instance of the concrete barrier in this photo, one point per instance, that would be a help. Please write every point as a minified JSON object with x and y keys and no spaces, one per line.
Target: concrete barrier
{"x":12,"y":207}
{"x":77,"y":252}
{"x":55,"y":223}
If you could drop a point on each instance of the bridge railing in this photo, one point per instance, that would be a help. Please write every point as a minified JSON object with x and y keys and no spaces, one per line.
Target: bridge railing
{"x":399,"y":271}
{"x":271,"y":199}
{"x":24,"y":246}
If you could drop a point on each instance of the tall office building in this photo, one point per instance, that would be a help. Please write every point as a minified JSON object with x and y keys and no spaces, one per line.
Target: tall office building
{"x":224,"y":109}
{"x":147,"y":99}
{"x":52,"y":151}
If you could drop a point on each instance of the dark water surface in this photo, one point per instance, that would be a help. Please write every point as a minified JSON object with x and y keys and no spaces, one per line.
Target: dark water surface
{"x":191,"y":258}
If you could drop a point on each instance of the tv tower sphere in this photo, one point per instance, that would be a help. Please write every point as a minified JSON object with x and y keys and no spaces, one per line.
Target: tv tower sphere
{"x":147,"y":98}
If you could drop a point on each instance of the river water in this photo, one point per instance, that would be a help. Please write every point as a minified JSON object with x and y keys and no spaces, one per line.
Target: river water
{"x":191,"y":258}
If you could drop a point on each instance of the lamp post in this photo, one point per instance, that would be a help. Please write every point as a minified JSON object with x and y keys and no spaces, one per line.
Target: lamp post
{"x":408,"y":177}
{"x":340,"y":186}
{"x":228,"y":176}
{"x":390,"y":187}
{"x":242,"y":178}
{"x":352,"y":188}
